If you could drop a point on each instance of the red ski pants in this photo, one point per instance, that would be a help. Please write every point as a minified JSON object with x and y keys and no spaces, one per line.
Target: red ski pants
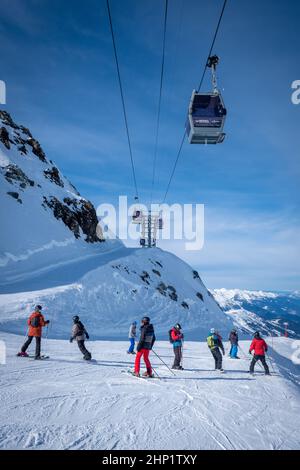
{"x":139,"y":354}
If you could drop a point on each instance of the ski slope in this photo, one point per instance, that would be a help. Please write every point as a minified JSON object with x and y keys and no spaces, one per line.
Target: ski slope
{"x":66,"y":403}
{"x":126,"y":285}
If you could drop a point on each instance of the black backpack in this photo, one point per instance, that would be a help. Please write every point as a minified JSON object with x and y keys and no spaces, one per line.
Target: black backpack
{"x":35,"y":321}
{"x":170,"y":336}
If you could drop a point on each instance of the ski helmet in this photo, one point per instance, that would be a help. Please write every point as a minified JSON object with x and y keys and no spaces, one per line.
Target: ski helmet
{"x":145,"y":320}
{"x":178,"y":326}
{"x":134,"y":322}
{"x":257,"y":334}
{"x":76,"y":318}
{"x":212,"y":330}
{"x":38,"y":308}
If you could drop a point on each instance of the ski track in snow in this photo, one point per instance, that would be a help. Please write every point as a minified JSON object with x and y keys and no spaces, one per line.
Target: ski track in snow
{"x":66,"y":403}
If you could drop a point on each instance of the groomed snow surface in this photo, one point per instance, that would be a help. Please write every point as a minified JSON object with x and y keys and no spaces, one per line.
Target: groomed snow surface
{"x":67,"y":403}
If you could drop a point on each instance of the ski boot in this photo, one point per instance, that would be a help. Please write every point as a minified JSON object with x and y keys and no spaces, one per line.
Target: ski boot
{"x":22,"y":354}
{"x":150,"y":375}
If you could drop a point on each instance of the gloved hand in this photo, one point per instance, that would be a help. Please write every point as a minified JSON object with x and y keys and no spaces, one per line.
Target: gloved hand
{"x":250,"y":353}
{"x":71,"y":340}
{"x":223,"y":352}
{"x":87,"y":335}
{"x":47,"y":322}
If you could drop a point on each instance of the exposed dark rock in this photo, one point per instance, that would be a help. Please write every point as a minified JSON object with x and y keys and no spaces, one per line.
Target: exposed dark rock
{"x":184,"y":304}
{"x":22,"y":149}
{"x":15,"y":196}
{"x":37,"y":149}
{"x":76,"y":214}
{"x":159,"y":264}
{"x":162,"y":288}
{"x":145,"y":276}
{"x":156,"y":272}
{"x":26,"y":131}
{"x":172,"y":293}
{"x":4,"y":137}
{"x":200,"y":296}
{"x":7,"y":120}
{"x":14,"y":175}
{"x":173,"y":296}
{"x":53,"y":175}
{"x":171,"y":288}
{"x":196,"y":275}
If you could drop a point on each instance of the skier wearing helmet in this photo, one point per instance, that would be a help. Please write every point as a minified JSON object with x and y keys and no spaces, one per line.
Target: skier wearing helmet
{"x":36,"y":322}
{"x":260,"y":347}
{"x":176,"y":338}
{"x":80,"y":334}
{"x":145,"y":344}
{"x":214,"y":342}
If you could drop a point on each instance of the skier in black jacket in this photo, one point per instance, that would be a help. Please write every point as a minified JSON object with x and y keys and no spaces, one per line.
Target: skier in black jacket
{"x":80,"y":334}
{"x":146,"y":342}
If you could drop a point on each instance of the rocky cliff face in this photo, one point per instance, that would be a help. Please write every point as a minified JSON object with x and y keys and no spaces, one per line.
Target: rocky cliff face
{"x":20,"y":149}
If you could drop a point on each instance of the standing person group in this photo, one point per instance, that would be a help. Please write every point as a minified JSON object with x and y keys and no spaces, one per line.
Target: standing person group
{"x":258,"y":347}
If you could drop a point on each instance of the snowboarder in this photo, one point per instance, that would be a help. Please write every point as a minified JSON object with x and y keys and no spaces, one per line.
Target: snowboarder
{"x":234,"y":341}
{"x":145,"y":344}
{"x":260,"y":347}
{"x":132,"y":336}
{"x":214,"y":342}
{"x":80,"y":334}
{"x":36,"y":322}
{"x":176,"y":338}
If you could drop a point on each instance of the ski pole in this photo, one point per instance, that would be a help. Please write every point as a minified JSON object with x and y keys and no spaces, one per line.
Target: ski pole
{"x":163,"y":362}
{"x":181,"y":359}
{"x":243,"y":351}
{"x":155,"y":372}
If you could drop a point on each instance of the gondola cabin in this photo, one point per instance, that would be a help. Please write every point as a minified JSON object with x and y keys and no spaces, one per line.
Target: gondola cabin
{"x":206,"y":118}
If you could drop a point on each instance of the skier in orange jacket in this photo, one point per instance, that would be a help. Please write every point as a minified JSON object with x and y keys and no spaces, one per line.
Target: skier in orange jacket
{"x":36,"y":322}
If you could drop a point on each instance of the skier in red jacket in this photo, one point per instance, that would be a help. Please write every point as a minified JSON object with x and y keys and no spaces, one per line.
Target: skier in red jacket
{"x":260,"y":347}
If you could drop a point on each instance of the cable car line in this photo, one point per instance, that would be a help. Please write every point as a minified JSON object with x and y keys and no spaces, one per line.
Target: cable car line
{"x":123,"y":100}
{"x":212,"y":45}
{"x":160,"y":97}
{"x":200,"y":85}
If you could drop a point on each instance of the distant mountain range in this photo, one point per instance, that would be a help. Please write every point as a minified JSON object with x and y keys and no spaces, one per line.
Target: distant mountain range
{"x":266,"y":311}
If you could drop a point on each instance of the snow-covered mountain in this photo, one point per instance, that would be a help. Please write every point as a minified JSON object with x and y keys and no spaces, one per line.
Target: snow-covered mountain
{"x":266,"y":311}
{"x":51,"y":254}
{"x":44,"y":219}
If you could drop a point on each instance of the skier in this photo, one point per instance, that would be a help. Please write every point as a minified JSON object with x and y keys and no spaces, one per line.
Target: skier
{"x":176,"y":338}
{"x":234,"y":341}
{"x":260,"y":347}
{"x":214,"y":342}
{"x":36,"y":321}
{"x":132,"y":336}
{"x":145,"y":344}
{"x":80,"y":334}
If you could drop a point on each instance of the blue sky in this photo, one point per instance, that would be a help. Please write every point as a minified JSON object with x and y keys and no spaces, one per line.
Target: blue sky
{"x":57,"y":61}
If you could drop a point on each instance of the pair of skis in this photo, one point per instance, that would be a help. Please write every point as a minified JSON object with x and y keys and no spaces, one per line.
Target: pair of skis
{"x":42,"y":357}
